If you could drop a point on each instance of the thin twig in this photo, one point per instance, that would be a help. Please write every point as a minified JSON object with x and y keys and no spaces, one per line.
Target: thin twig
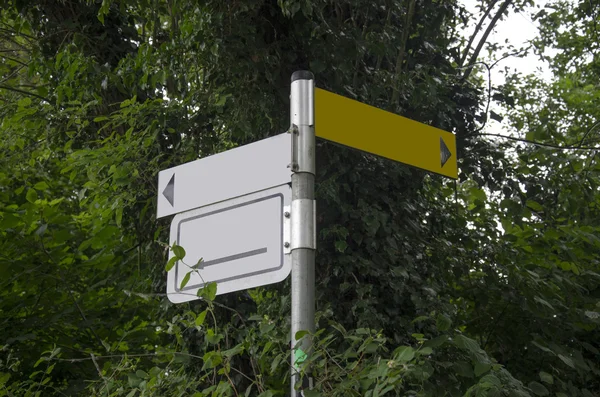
{"x":99,"y":372}
{"x":550,"y":145}
{"x":588,"y":132}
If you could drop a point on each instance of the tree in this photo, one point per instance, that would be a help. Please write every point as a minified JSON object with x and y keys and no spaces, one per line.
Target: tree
{"x":99,"y":96}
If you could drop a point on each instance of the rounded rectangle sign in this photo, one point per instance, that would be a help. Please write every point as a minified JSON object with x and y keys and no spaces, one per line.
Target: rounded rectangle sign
{"x":237,"y":243}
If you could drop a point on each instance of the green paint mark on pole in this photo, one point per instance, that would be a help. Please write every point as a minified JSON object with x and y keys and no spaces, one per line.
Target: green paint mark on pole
{"x":299,"y":356}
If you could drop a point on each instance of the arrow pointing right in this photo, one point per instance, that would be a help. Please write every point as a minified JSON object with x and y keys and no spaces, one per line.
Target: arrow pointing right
{"x":169,"y":191}
{"x":444,"y":152}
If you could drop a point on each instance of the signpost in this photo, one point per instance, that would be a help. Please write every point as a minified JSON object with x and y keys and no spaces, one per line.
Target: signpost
{"x":243,"y":226}
{"x":385,"y":134}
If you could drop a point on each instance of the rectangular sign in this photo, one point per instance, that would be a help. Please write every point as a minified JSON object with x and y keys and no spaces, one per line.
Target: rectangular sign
{"x":259,"y":165}
{"x":367,"y":128}
{"x":241,"y":242}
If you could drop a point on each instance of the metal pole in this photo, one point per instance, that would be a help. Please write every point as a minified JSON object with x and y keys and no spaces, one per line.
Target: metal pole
{"x":303,"y":224}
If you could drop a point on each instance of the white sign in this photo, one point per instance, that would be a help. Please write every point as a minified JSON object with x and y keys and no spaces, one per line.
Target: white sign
{"x":250,"y":168}
{"x":241,"y":241}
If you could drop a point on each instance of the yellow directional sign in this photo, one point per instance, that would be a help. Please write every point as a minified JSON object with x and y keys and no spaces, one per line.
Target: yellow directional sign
{"x":385,"y":134}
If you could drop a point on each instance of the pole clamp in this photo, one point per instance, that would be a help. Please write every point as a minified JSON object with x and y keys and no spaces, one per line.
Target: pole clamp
{"x":304,"y":224}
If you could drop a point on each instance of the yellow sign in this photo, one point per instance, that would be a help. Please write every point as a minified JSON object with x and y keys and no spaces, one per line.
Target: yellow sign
{"x":367,"y":128}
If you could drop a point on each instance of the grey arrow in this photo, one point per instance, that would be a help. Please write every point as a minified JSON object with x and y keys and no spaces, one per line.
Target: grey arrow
{"x":169,"y":191}
{"x":444,"y":152}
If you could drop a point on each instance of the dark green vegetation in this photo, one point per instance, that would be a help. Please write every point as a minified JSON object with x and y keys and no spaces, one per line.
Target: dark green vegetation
{"x":419,"y":291}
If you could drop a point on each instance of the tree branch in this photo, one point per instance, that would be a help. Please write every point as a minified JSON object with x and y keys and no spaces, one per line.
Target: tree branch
{"x":588,"y":132}
{"x":400,"y":60}
{"x":4,"y":87}
{"x":483,"y":40}
{"x":550,"y":145}
{"x":477,"y":28}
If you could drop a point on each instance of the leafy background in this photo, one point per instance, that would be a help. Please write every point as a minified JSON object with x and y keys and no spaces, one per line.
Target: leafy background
{"x":487,"y":286}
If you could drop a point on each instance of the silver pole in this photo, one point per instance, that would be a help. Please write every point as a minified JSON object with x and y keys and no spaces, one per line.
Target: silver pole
{"x":303,"y":222}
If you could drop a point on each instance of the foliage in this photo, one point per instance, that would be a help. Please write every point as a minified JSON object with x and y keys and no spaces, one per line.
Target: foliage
{"x":420,"y":292}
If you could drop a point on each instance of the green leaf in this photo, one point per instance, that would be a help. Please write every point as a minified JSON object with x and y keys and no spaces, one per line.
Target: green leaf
{"x":171,"y":263}
{"x":538,"y":389}
{"x":425,"y":351}
{"x":465,"y":343}
{"x":200,"y":318}
{"x":491,"y":380}
{"x":31,"y":195}
{"x":238,"y":349}
{"x":106,"y":345}
{"x":546,"y":378}
{"x":141,"y":374}
{"x":198,"y":264}
{"x":300,"y":334}
{"x":41,"y":186}
{"x":208,"y":292}
{"x":443,"y":322}
{"x":482,"y":368}
{"x":178,"y":251}
{"x":404,"y":353}
{"x":534,"y":205}
{"x":185,"y":280}
{"x":341,"y":246}
{"x":463,"y":369}
{"x":24,"y":102}
{"x":42,"y":229}
{"x":567,"y":361}
{"x":437,"y":341}
{"x":211,"y":360}
{"x":4,"y":377}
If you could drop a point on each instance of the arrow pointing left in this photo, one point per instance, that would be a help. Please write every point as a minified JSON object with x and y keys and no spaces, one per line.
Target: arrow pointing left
{"x":169,"y":191}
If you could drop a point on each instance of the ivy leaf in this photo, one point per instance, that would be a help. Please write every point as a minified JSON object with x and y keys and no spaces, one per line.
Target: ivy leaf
{"x":178,"y":251}
{"x":200,"y":319}
{"x":208,"y":292}
{"x":171,"y":263}
{"x":185,"y":280}
{"x":198,"y":264}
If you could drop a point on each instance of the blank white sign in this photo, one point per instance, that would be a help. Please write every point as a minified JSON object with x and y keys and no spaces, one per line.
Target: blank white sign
{"x":245,"y":169}
{"x":241,"y":243}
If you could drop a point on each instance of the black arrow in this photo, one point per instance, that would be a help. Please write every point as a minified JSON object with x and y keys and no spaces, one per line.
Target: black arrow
{"x":444,"y":152}
{"x":169,"y":191}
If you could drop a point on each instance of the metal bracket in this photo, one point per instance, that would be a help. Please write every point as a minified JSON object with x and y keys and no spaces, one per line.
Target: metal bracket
{"x":295,"y":134}
{"x":304,"y":223}
{"x":287,"y":230}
